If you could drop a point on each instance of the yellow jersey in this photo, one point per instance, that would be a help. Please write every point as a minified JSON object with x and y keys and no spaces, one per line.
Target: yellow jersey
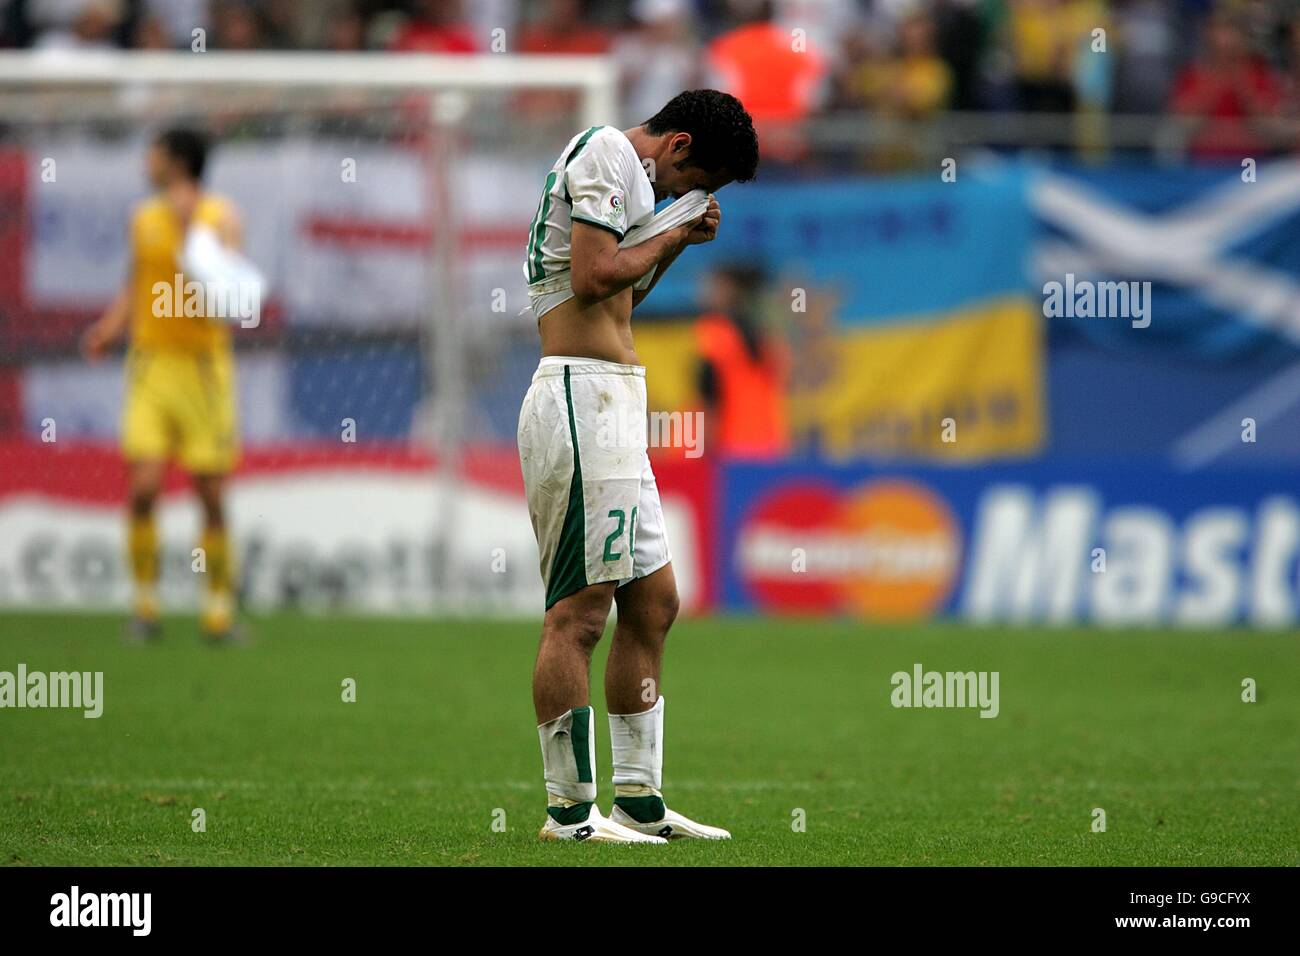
{"x":158,"y":315}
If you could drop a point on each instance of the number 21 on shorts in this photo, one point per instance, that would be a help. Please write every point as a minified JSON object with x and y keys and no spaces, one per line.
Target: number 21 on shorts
{"x":612,"y":538}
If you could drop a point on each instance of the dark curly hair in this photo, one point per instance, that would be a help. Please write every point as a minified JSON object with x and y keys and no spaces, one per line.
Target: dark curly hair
{"x":722,"y":133}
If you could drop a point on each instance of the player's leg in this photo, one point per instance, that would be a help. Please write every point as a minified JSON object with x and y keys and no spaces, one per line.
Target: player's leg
{"x":203,"y":399}
{"x":146,"y":445}
{"x":217,"y":616}
{"x":561,"y":699}
{"x":570,"y":632}
{"x":144,"y":482}
{"x":579,"y":492}
{"x":647,"y":607}
{"x":566,"y":720}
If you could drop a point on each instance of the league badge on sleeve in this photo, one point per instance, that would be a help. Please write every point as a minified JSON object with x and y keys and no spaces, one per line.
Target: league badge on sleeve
{"x":615,"y":213}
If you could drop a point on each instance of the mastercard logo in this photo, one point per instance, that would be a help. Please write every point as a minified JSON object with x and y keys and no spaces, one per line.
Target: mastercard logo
{"x":888,"y":550}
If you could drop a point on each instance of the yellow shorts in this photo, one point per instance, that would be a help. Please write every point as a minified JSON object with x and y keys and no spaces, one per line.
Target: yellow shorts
{"x":181,"y":406}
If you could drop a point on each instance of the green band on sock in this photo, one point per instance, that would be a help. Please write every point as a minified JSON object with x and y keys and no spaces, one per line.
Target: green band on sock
{"x":566,"y":816}
{"x":642,"y":809}
{"x":580,"y":736}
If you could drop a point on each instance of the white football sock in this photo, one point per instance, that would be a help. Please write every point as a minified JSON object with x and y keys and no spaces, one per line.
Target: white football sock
{"x":569,"y":755}
{"x":638,"y":744}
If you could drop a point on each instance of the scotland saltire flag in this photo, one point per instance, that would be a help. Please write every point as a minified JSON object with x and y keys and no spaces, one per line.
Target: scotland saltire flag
{"x":1222,"y":253}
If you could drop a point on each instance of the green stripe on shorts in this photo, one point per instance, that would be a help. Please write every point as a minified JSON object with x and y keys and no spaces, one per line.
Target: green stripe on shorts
{"x":569,"y":566}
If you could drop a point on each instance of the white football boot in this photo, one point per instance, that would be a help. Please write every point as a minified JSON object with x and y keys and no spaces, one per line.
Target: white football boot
{"x":673,"y":826}
{"x":597,"y":828}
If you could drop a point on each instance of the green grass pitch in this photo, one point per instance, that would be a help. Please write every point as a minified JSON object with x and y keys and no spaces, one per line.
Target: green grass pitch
{"x":764,"y":718}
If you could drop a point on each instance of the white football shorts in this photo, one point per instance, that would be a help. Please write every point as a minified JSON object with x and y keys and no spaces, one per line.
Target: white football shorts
{"x":592,"y":495}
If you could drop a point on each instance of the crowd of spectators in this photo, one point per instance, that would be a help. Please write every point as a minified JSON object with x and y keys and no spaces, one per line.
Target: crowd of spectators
{"x":1223,"y":66}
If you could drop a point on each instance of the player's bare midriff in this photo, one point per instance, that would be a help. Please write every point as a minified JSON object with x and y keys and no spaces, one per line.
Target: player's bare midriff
{"x":599,"y":330}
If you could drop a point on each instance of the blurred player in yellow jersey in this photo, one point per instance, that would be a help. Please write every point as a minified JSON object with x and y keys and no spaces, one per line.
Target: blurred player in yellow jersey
{"x":180,"y":392}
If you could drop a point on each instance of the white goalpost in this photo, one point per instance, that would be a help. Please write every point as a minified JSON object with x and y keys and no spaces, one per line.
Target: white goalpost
{"x":594,"y":78}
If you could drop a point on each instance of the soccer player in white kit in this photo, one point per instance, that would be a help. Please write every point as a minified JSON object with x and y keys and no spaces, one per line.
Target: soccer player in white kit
{"x":591,"y":493}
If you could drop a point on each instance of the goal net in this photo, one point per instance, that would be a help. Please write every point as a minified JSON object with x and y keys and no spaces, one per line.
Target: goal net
{"x":386,"y":200}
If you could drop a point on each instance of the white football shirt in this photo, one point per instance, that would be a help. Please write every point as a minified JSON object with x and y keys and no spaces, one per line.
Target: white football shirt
{"x":599,"y":180}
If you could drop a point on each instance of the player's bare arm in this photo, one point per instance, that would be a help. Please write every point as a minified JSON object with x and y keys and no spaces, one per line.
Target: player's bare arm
{"x":600,"y":269}
{"x":110,"y":328}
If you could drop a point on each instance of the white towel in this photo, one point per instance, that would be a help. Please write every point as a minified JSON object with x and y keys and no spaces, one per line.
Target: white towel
{"x":230,"y":276}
